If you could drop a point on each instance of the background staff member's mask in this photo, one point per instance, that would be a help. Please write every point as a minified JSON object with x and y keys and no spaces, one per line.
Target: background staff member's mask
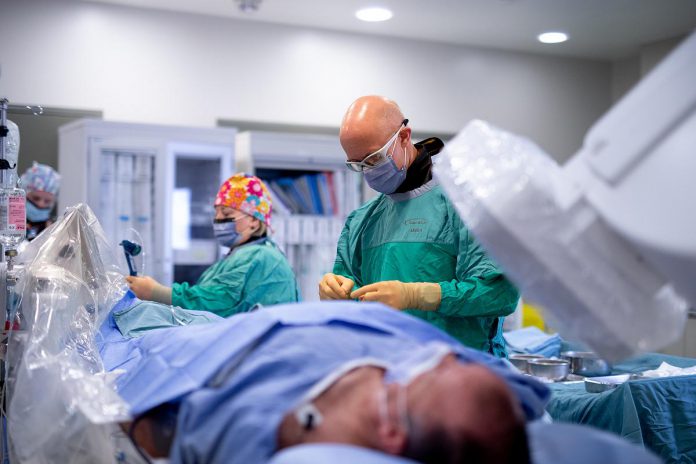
{"x":36,"y":214}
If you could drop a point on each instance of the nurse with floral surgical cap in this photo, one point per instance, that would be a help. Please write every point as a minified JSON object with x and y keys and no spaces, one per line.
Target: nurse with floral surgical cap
{"x":254,"y":271}
{"x":41,"y":183}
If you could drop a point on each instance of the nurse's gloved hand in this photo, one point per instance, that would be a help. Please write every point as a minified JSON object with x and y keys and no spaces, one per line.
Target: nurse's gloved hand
{"x":335,"y":287}
{"x":400,"y":295}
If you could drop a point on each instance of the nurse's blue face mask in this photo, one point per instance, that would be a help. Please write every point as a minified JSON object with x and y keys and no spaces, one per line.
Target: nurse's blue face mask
{"x":225,"y":231}
{"x":379,"y":168}
{"x":36,"y":214}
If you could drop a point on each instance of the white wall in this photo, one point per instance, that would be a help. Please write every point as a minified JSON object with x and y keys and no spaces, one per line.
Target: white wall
{"x":171,"y":68}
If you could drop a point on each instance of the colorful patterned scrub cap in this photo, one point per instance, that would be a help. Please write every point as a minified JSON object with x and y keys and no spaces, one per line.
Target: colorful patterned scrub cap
{"x":41,"y":178}
{"x":247,"y":194}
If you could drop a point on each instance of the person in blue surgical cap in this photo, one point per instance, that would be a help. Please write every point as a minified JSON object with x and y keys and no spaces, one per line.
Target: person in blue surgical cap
{"x":363,"y":375}
{"x":41,"y":184}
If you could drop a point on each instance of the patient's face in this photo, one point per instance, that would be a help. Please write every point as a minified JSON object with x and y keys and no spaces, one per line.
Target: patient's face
{"x":466,"y":402}
{"x":448,"y":408}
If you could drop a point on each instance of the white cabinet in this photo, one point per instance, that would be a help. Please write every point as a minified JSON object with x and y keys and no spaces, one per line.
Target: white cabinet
{"x":151,"y":184}
{"x":312,"y":192}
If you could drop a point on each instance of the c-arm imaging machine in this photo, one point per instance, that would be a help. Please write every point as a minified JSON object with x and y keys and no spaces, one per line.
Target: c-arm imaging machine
{"x":607,"y":242}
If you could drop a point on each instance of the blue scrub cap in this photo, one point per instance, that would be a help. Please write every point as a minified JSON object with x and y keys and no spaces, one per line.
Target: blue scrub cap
{"x":41,"y":178}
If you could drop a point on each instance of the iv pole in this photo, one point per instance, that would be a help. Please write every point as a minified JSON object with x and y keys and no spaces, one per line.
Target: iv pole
{"x":9,"y":274}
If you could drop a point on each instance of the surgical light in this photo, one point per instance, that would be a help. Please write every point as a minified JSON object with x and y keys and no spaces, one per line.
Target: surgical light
{"x":374,"y":14}
{"x":552,"y":37}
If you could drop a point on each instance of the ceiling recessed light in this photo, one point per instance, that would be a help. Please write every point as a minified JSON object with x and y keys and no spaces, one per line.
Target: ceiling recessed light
{"x":374,"y":14}
{"x":552,"y":37}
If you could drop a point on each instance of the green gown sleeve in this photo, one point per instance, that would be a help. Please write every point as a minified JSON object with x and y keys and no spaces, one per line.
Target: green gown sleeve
{"x":346,"y":254}
{"x":238,"y":282}
{"x":480,"y":289}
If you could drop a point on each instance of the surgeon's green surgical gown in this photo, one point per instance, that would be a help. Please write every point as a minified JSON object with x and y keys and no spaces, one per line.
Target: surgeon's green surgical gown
{"x":253,"y":273}
{"x":417,"y":236}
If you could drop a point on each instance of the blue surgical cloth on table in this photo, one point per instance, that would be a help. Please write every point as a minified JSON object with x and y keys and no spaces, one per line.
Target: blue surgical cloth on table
{"x":659,"y":414}
{"x":532,"y":340}
{"x":549,"y":444}
{"x":235,"y":379}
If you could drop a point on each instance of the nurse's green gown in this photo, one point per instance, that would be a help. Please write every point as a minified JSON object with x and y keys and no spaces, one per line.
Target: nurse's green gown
{"x":253,"y":273}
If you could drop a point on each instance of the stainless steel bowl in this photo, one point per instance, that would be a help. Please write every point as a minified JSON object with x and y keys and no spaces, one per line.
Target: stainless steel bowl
{"x":552,"y":369}
{"x":520,"y":361}
{"x":586,"y":363}
{"x":602,"y":384}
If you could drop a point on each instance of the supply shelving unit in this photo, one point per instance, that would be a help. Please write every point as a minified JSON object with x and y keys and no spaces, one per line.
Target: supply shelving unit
{"x":159,"y":181}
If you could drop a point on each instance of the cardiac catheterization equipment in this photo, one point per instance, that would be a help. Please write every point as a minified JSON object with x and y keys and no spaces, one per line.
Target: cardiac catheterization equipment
{"x":130,"y":250}
{"x":607,"y":242}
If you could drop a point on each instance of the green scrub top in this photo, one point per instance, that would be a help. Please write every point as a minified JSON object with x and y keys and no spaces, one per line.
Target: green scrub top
{"x":417,"y":236}
{"x":254,"y":273}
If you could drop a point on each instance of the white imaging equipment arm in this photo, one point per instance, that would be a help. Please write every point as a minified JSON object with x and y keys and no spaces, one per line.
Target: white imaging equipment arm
{"x":606,"y":243}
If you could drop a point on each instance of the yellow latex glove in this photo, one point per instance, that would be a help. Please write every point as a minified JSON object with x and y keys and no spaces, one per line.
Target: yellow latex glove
{"x":335,"y":287}
{"x":400,"y":295}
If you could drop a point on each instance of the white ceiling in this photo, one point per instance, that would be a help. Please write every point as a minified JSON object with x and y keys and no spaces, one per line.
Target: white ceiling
{"x":602,"y":29}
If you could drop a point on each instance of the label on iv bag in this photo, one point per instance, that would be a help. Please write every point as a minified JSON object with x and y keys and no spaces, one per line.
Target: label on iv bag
{"x":13,"y":217}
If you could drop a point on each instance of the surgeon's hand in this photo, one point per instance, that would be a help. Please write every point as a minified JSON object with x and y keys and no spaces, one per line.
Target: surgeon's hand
{"x":335,"y":287}
{"x":400,"y":295}
{"x":142,"y":286}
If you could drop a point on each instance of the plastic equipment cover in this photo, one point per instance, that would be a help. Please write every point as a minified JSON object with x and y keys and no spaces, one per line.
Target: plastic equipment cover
{"x":62,"y":405}
{"x":535,"y":222}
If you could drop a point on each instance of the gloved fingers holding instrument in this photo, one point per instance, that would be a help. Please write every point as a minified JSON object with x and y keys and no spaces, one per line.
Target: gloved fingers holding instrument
{"x":401,"y":295}
{"x":335,"y":287}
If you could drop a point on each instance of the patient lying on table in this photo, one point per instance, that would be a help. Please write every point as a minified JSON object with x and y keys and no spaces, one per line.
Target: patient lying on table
{"x":242,"y":389}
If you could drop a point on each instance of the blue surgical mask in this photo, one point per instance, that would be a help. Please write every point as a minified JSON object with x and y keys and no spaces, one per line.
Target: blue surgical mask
{"x":36,"y":214}
{"x":226,"y":233}
{"x":386,"y":177}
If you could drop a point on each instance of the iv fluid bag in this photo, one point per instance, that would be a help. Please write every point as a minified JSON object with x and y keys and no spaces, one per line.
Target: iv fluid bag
{"x":13,"y":217}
